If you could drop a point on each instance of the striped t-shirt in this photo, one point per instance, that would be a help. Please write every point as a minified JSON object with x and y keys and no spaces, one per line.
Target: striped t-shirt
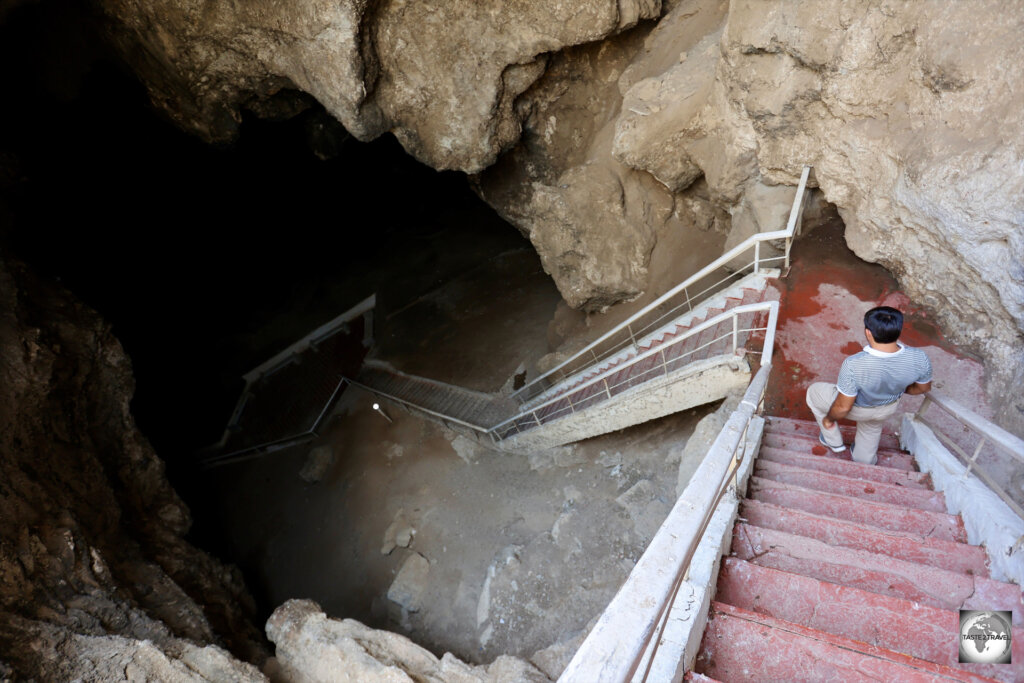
{"x":877,"y":378}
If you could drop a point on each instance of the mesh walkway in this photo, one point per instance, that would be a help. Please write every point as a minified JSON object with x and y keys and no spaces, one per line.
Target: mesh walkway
{"x":469,"y":407}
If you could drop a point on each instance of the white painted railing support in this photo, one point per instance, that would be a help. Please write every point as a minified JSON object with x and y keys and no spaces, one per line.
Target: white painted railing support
{"x":771,"y":307}
{"x":988,"y":432}
{"x":613,"y":650}
{"x":754,"y":241}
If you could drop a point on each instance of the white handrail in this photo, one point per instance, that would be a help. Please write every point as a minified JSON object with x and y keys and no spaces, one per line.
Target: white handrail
{"x":773,"y":311}
{"x":726,"y":258}
{"x":616,"y":645}
{"x":992,"y":433}
{"x":410,"y":404}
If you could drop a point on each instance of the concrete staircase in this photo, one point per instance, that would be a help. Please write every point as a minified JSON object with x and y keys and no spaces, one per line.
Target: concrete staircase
{"x":847,"y":572}
{"x":576,"y":394}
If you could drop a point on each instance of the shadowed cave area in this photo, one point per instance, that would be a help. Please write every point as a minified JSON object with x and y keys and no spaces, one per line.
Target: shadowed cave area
{"x":207,"y":260}
{"x":195,"y":262}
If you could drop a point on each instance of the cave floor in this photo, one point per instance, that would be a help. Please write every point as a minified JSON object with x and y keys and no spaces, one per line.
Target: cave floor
{"x":506,"y":554}
{"x":522,"y":552}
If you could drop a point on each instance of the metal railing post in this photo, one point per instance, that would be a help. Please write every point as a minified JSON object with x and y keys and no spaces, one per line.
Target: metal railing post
{"x":534,"y":413}
{"x":636,"y":346}
{"x":664,"y":364}
{"x":974,"y":457}
{"x":757,"y":256}
{"x":606,"y":389}
{"x":735,"y":333}
{"x":924,"y":406}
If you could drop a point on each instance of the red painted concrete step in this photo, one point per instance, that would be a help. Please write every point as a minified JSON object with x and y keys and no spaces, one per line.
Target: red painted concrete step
{"x":957,"y":557}
{"x":847,"y":468}
{"x":900,"y":625}
{"x":809,"y":428}
{"x":740,"y":645}
{"x":921,"y":499}
{"x":882,"y":515}
{"x":872,"y":572}
{"x":810,"y":446}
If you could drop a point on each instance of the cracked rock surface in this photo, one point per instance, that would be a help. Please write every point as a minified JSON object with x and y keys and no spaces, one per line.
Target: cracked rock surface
{"x":600,"y":128}
{"x":96,"y":579}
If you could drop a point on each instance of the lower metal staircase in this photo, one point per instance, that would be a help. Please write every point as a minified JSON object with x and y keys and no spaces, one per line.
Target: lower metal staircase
{"x":451,"y":403}
{"x":841,"y":571}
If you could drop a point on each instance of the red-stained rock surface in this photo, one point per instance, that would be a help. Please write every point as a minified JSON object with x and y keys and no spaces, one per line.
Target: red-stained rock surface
{"x":823,"y":301}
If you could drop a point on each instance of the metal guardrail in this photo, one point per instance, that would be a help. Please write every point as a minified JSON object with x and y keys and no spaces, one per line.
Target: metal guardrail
{"x":329,"y":390}
{"x":616,"y":646}
{"x":258,"y":450}
{"x":989,"y":433}
{"x":608,"y":386}
{"x":675,"y":301}
{"x":445,"y":419}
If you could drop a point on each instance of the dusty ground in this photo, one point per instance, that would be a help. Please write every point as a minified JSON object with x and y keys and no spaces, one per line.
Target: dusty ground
{"x":488,"y":553}
{"x":506,"y":554}
{"x":522,"y":552}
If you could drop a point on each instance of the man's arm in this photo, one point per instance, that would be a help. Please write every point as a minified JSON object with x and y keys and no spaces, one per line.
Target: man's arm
{"x":919,"y":388}
{"x":840,"y":408}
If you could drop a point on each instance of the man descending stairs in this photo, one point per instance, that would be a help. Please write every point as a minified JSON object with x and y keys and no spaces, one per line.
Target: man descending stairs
{"x":842,"y":571}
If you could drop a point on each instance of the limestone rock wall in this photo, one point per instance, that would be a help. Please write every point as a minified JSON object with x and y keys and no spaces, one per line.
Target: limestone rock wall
{"x":910,"y":113}
{"x":95,"y":576}
{"x":599,"y":127}
{"x":442,"y":76}
{"x":312,"y":648}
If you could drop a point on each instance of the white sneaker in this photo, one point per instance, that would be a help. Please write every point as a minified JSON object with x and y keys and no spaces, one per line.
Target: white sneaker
{"x":834,"y":449}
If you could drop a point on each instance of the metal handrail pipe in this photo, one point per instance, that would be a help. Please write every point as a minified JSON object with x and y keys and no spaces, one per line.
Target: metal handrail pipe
{"x":771,"y":306}
{"x":711,"y":322}
{"x":706,"y":270}
{"x":615,"y":646}
{"x":420,"y":408}
{"x":992,"y":433}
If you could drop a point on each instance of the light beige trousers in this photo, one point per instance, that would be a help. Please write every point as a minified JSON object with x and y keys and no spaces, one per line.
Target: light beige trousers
{"x":870,"y":421}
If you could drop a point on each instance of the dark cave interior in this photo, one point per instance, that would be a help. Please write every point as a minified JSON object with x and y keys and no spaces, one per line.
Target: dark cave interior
{"x":208,"y":260}
{"x":205,"y":260}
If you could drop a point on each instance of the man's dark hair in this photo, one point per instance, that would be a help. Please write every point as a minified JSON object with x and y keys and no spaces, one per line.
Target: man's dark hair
{"x":885,"y":324}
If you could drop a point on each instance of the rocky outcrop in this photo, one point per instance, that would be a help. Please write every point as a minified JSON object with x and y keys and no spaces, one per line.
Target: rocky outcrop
{"x":442,"y":76}
{"x":914,"y":136}
{"x":94,"y":573}
{"x":594,"y":219}
{"x":908,"y":112}
{"x":916,"y":143}
{"x":313,"y":648}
